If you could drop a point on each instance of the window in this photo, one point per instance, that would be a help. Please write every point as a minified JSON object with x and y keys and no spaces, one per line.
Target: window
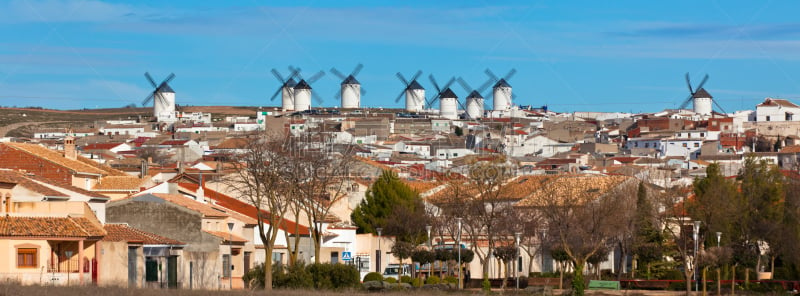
{"x":646,"y":145}
{"x":702,"y":135}
{"x":277,"y":258}
{"x":696,"y":145}
{"x":788,"y":116}
{"x":334,"y":257}
{"x":26,"y":258}
{"x":767,"y":118}
{"x":684,"y":145}
{"x":226,"y":265}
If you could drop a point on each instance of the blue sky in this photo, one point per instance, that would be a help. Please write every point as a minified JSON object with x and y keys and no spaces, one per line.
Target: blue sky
{"x":627,"y":56}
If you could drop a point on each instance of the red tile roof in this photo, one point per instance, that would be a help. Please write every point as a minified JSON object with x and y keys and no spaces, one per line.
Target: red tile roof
{"x":174,"y":142}
{"x":248,"y":210}
{"x":49,"y":227}
{"x":225,"y":236}
{"x":101,"y":146}
{"x":125,"y":233}
{"x":14,"y":177}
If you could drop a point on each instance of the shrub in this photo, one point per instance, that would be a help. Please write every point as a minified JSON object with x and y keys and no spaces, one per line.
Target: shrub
{"x":333,"y":276}
{"x":486,"y":286}
{"x":416,"y":282}
{"x":672,"y":274}
{"x":255,"y":277}
{"x":390,"y":280}
{"x":451,"y":279}
{"x":294,"y":276}
{"x":433,"y":280}
{"x":405,"y":279}
{"x":373,"y":276}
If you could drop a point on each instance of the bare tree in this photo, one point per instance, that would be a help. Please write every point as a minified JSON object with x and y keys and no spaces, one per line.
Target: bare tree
{"x":259,"y":179}
{"x":582,"y":213}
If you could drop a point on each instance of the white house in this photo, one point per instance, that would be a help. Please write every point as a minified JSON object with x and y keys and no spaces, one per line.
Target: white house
{"x":777,"y":110}
{"x":122,"y":129}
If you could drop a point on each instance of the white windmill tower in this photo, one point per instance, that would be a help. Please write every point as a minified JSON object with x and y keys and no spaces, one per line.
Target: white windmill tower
{"x":303,"y":91}
{"x":448,"y":101}
{"x":475,"y":101}
{"x":351,"y":90}
{"x":163,"y":98}
{"x":502,"y":97}
{"x":702,"y":101}
{"x":286,"y":90}
{"x":414,"y":93}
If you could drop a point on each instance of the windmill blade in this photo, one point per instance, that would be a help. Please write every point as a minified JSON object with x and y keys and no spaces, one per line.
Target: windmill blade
{"x":416,"y":75}
{"x":363,"y":91}
{"x":338,"y":95}
{"x":168,"y":79}
{"x":400,"y":96}
{"x":491,"y":75}
{"x":436,"y":85}
{"x":315,"y":77}
{"x":718,"y":106}
{"x":296,"y":72}
{"x":316,"y":98}
{"x":402,"y":79}
{"x":159,"y":97}
{"x":449,"y":83}
{"x":485,"y":85}
{"x":276,"y":94}
{"x":357,"y":69}
{"x":510,"y":74}
{"x":702,"y":82}
{"x":150,"y":79}
{"x":338,"y":74}
{"x":278,"y":76}
{"x":148,"y":98}
{"x":686,"y":102}
{"x":689,"y":84}
{"x":464,"y":85}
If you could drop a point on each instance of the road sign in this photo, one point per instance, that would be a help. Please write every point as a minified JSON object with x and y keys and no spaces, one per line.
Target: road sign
{"x":347,"y":256}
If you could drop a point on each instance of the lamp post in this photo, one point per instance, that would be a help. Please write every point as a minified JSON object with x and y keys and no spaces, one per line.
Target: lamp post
{"x":719,"y":238}
{"x":696,"y":229}
{"x":378,"y":263}
{"x":230,"y":255}
{"x":69,"y":265}
{"x":458,"y":245}
{"x":541,"y":246}
{"x":516,"y":259}
{"x":430,"y":246}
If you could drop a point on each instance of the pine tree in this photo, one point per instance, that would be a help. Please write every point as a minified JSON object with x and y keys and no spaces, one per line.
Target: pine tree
{"x":389,"y":203}
{"x":648,"y":240}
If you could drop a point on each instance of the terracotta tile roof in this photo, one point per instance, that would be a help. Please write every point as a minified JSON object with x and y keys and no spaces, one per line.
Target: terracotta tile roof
{"x":56,"y":158}
{"x":15,"y":177}
{"x":49,"y":227}
{"x":68,"y":186}
{"x":100,"y":146}
{"x":225,"y":236}
{"x":248,"y":210}
{"x":183,"y":201}
{"x":121,"y":183}
{"x":564,"y":187}
{"x":421,"y":186}
{"x":790,"y":149}
{"x":174,"y":142}
{"x":777,"y":102}
{"x":214,"y":195}
{"x":125,"y":233}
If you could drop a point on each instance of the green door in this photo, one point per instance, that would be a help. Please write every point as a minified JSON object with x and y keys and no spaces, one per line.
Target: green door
{"x":172,"y":272}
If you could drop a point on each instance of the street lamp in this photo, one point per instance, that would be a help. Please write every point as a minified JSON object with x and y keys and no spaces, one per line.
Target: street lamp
{"x":230,"y":255}
{"x":430,"y":245}
{"x":69,"y":265}
{"x":719,"y":238}
{"x":541,"y":246}
{"x":694,"y":264}
{"x":458,"y":245}
{"x":378,"y":263}
{"x":516,"y":259}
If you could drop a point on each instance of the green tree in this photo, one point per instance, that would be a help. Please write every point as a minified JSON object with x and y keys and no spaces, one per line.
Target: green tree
{"x":763,"y":198}
{"x":385,"y":199}
{"x":647,"y":240}
{"x":458,"y":131}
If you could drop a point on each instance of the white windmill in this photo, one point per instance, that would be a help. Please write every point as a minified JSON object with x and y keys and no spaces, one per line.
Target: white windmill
{"x":475,"y":101}
{"x":351,"y":90}
{"x":448,"y":101}
{"x":502,"y":97}
{"x":163,"y":98}
{"x":303,"y":91}
{"x":286,"y":90}
{"x":702,"y":101}
{"x":414,"y":93}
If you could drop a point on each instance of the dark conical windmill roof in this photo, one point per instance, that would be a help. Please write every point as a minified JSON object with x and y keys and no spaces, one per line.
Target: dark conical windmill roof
{"x":701,"y":93}
{"x":415,"y":85}
{"x":501,"y":83}
{"x":302,"y":85}
{"x":448,"y":93}
{"x":474,"y":95}
{"x":290,"y":83}
{"x":350,"y":80}
{"x":164,"y":88}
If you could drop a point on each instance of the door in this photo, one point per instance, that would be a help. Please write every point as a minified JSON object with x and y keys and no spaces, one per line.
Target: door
{"x":132,"y":267}
{"x":246,"y":262}
{"x":172,"y":272}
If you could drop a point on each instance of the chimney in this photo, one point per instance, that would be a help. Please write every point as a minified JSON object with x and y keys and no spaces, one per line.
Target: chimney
{"x":201,"y":194}
{"x":69,"y":148}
